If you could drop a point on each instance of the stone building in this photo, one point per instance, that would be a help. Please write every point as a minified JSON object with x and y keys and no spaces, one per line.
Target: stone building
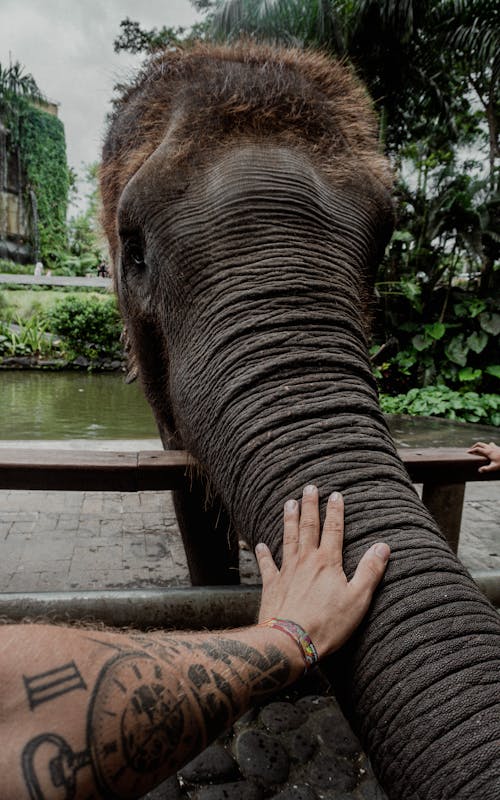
{"x":19,"y":239}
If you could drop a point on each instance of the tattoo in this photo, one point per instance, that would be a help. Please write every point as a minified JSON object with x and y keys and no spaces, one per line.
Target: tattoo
{"x":150,"y":709}
{"x":54,"y":683}
{"x":48,"y":763}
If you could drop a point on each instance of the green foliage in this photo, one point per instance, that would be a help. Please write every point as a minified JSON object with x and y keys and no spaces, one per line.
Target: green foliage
{"x":26,"y":337}
{"x":440,"y":401}
{"x":460,"y":350}
{"x":86,"y":239}
{"x":12,"y":268}
{"x":89,"y":326}
{"x":43,"y":155}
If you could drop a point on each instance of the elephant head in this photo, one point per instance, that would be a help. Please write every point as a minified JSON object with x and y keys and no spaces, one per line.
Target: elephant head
{"x":246,"y":206}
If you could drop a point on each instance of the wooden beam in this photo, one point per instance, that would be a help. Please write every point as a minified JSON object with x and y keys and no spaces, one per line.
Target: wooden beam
{"x":95,"y":470}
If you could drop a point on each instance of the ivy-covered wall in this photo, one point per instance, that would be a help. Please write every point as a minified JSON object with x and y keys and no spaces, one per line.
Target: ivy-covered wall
{"x":43,"y":156}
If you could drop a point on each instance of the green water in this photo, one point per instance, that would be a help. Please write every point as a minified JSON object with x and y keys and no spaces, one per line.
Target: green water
{"x":74,"y":405}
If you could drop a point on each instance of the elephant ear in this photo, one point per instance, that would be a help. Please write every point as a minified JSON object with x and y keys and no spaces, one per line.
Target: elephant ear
{"x":132,"y":368}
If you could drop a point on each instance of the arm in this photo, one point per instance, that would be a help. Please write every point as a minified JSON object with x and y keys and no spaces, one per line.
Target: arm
{"x":491,"y":451}
{"x":94,"y":714}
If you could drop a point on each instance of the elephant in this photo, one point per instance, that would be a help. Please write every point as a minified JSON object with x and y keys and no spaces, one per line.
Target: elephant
{"x":247,"y":206}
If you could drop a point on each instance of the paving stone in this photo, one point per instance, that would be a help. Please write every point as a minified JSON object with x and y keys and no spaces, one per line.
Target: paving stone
{"x":213,"y":764}
{"x":243,"y":790}
{"x":279,"y":717}
{"x":262,"y":757}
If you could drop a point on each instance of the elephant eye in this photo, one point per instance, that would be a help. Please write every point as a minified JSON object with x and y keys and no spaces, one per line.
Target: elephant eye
{"x":133,"y":250}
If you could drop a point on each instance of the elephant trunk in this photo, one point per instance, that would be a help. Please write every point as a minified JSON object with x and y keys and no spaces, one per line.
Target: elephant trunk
{"x":270,"y":388}
{"x":420,"y":677}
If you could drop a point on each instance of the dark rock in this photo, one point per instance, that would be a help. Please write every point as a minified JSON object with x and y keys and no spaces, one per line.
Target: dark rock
{"x":244,"y":790}
{"x":168,"y":790}
{"x":245,"y":721}
{"x":80,"y":361}
{"x":297,"y":792}
{"x":371,"y":790}
{"x":302,"y":745}
{"x":313,"y":702}
{"x":336,"y":734}
{"x":212,"y":765}
{"x":327,"y":772}
{"x":262,"y":757}
{"x":279,"y":717}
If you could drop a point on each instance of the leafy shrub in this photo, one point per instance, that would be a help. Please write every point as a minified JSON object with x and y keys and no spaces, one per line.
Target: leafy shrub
{"x":90,"y":326}
{"x":460,"y":351}
{"x":27,"y":337}
{"x":440,"y":401}
{"x":12,"y":268}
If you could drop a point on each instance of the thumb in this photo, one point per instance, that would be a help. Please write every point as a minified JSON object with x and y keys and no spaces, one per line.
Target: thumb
{"x":487,"y":467}
{"x":371,"y":568}
{"x":265,"y":561}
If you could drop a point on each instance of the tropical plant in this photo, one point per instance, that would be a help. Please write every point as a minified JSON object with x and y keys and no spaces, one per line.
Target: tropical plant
{"x":440,"y":401}
{"x":89,"y":326}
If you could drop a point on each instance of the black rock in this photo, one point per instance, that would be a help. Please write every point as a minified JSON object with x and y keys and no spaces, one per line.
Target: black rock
{"x":371,"y":790}
{"x":336,"y":734}
{"x":262,"y":757}
{"x":302,"y":745}
{"x":327,"y":772}
{"x":297,"y":792}
{"x":168,"y":790}
{"x":212,"y":765}
{"x":245,"y":721}
{"x":80,"y":361}
{"x":279,"y":717}
{"x":313,"y":702}
{"x":243,"y":790}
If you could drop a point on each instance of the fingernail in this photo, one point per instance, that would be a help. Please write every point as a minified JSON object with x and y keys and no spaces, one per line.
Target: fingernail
{"x":382,"y":550}
{"x":260,"y":548}
{"x":310,"y":489}
{"x":290,"y":505}
{"x":334,"y":497}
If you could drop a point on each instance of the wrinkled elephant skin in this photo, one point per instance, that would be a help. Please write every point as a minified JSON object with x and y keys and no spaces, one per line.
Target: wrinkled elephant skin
{"x":246,"y":207}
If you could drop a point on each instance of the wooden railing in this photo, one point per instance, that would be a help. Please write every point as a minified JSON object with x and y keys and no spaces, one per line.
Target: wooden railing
{"x":442,"y":471}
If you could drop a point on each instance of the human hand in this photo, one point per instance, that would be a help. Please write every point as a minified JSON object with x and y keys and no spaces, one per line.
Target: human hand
{"x":311,"y":588}
{"x":491,"y":451}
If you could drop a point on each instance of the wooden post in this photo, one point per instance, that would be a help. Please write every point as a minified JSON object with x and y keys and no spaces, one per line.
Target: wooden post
{"x":445,"y":502}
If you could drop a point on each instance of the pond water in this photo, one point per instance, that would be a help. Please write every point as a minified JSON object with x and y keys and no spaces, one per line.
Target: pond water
{"x":45,"y":406}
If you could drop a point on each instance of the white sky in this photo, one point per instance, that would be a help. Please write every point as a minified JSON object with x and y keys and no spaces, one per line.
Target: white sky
{"x":67,"y":45}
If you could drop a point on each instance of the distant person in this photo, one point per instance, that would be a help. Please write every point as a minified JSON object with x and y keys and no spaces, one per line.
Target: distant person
{"x":102,"y":270}
{"x":38,"y":269}
{"x":491,"y":451}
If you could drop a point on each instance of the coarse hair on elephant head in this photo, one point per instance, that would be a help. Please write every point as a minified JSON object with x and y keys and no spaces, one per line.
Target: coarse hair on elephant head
{"x":246,"y":205}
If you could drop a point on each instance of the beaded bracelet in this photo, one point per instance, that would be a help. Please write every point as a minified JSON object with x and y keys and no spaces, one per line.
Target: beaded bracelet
{"x":299,"y":636}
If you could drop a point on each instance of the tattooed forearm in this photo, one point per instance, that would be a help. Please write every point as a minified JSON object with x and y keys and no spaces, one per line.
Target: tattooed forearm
{"x":151,"y":712}
{"x":112,"y":715}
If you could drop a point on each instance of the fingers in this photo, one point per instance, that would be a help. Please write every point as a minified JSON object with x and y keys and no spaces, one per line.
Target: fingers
{"x":371,"y":568}
{"x":491,"y":467}
{"x":290,"y":529}
{"x":479,"y":447}
{"x":266,"y":563}
{"x":309,"y":519}
{"x":332,"y":537}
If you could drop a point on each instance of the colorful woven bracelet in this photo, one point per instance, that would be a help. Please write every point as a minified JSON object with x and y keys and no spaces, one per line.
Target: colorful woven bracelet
{"x":299,"y":636}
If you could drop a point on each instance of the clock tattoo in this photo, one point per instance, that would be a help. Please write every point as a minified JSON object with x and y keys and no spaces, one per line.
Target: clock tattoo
{"x":127,"y":735}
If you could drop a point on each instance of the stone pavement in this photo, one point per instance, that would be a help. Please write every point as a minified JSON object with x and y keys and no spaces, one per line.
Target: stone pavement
{"x":297,"y":747}
{"x":104,"y":540}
